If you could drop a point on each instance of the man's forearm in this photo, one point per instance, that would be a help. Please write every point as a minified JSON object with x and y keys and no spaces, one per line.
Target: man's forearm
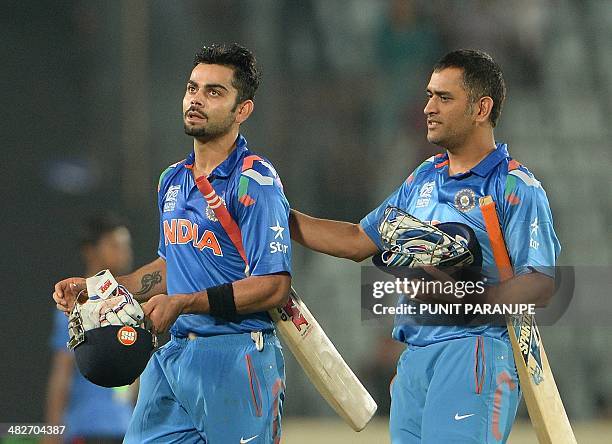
{"x":147,"y":281}
{"x":58,"y":388}
{"x":532,"y":288}
{"x":340,"y":239}
{"x":251,"y":295}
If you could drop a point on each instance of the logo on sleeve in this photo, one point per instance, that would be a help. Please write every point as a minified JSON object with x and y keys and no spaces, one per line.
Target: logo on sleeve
{"x":276,"y":246}
{"x":425,"y":194}
{"x":170,"y":198}
{"x":278,"y":230}
{"x":533,"y":233}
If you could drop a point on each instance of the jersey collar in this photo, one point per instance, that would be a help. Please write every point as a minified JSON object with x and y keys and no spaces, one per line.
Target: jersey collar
{"x":225,"y":168}
{"x":492,"y":160}
{"x":484,"y":167}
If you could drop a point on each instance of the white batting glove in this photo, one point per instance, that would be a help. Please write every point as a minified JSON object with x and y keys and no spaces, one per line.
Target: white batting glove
{"x":90,"y":314}
{"x":119,"y":309}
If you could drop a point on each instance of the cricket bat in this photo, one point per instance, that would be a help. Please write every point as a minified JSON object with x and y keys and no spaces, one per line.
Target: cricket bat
{"x":322,"y":363}
{"x":542,"y":397}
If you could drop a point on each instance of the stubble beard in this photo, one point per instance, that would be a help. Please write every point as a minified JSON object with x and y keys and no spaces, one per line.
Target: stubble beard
{"x":453,"y":137}
{"x":441,"y":140}
{"x":210,"y":132}
{"x":202,"y":133}
{"x":449,"y":142}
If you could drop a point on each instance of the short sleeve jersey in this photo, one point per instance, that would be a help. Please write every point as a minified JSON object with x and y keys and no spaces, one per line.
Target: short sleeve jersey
{"x":197,"y":250}
{"x":433,"y":196}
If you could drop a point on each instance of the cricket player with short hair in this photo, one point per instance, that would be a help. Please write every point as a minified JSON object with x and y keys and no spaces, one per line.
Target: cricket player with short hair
{"x":221,"y":376}
{"x":458,"y":383}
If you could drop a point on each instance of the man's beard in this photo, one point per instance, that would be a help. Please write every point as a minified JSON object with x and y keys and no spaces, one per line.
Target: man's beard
{"x":210,"y":132}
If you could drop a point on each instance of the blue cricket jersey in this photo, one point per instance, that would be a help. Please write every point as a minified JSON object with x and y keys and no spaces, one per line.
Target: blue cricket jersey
{"x":431,"y":195}
{"x":197,"y":250}
{"x":91,"y":410}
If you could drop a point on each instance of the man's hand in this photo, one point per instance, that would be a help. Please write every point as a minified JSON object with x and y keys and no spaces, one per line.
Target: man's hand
{"x":66,"y":292}
{"x":163,"y":310}
{"x":120,"y":309}
{"x":437,"y":297}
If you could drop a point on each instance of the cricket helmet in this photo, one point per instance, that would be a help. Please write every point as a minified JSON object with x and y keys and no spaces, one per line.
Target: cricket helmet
{"x":109,"y":356}
{"x":410,"y":244}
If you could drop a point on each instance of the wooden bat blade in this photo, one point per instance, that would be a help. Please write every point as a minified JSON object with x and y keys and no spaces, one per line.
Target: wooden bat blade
{"x":542,"y":397}
{"x":322,"y":363}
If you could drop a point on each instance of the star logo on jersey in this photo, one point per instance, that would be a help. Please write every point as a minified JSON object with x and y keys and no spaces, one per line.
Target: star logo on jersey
{"x":534,"y":227}
{"x":278,"y":230}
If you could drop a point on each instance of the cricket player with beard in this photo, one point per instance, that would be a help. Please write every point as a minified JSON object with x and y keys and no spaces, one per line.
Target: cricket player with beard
{"x":220,"y":379}
{"x":458,"y":384}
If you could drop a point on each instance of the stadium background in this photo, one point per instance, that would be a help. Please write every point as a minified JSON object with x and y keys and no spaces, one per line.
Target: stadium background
{"x":91,"y":115}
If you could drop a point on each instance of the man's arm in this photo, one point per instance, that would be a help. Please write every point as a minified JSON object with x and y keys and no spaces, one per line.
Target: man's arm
{"x":147,"y":281}
{"x":143,"y":283}
{"x":58,"y":389}
{"x":252,"y":294}
{"x":340,"y":239}
{"x":530,"y":288}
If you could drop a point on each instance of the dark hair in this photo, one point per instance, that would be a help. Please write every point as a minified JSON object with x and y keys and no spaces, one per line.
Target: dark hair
{"x":95,"y":227}
{"x":482,"y":76}
{"x":246,"y":76}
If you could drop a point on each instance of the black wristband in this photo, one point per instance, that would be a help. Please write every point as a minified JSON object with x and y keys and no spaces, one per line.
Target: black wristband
{"x":221,"y":302}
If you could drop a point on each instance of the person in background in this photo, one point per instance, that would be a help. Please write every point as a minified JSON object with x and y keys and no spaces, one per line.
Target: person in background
{"x":91,"y":414}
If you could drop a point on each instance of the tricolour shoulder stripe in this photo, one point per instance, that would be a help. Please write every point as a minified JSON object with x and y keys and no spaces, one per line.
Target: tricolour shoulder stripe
{"x":163,"y":174}
{"x":529,"y":180}
{"x":258,"y":177}
{"x":417,"y":169}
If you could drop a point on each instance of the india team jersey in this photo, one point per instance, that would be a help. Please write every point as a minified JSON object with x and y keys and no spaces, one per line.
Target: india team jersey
{"x":197,"y":250}
{"x":433,"y":196}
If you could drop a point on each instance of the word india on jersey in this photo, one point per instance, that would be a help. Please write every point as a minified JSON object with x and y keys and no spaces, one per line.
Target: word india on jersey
{"x":454,"y":309}
{"x":413,"y":287}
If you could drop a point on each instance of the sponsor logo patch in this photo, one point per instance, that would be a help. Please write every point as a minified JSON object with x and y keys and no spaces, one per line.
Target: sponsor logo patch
{"x":276,"y":246}
{"x":278,"y":230}
{"x":127,"y":335}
